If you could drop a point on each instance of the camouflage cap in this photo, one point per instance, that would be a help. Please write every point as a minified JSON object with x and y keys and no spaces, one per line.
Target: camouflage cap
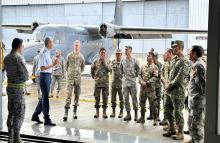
{"x":118,"y":51}
{"x":177,"y":43}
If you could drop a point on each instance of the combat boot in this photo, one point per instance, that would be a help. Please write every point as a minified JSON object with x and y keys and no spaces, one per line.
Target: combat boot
{"x":97,"y":113}
{"x":128,"y":117}
{"x":104,"y":114}
{"x":58,"y":94}
{"x":142,"y":118}
{"x":10,"y":136}
{"x":66,"y":114}
{"x":178,"y":136}
{"x":17,"y":138}
{"x":172,"y":131}
{"x":135,"y":115}
{"x":150,"y":116}
{"x":155,"y":122}
{"x":163,"y":122}
{"x":113,"y":113}
{"x":75,"y":112}
{"x":166,"y":128}
{"x":121,"y":113}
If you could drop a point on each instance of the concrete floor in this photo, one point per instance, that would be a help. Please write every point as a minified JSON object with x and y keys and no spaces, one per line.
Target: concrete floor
{"x":86,"y":128}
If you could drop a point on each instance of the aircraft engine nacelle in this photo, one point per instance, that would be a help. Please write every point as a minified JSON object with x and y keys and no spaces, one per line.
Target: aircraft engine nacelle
{"x":35,"y":24}
{"x":107,"y":30}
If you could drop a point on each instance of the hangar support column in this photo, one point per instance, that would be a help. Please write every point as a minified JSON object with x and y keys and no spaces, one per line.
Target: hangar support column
{"x":1,"y":64}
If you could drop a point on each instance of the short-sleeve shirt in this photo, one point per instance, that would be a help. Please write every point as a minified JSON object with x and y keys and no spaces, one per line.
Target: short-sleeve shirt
{"x":45,"y":60}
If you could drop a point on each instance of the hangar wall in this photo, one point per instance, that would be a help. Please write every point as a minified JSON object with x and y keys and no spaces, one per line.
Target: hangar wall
{"x":159,"y":13}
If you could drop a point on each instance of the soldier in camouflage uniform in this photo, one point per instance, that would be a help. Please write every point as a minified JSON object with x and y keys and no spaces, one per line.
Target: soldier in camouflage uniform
{"x":36,"y":72}
{"x":176,"y":90}
{"x":147,"y":78}
{"x":196,"y":100}
{"x":57,"y":74}
{"x":164,"y":78}
{"x":100,"y":69}
{"x":74,"y":66}
{"x":117,"y":84}
{"x":130,"y":69}
{"x":17,"y":75}
{"x":158,"y":84}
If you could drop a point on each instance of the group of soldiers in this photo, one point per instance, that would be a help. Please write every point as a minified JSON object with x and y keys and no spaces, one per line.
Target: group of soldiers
{"x":172,"y":81}
{"x":178,"y":78}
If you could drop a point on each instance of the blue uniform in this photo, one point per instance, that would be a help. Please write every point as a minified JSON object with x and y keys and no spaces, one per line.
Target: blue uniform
{"x":45,"y":79}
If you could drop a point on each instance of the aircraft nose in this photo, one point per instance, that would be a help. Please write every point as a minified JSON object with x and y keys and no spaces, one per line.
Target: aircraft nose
{"x":30,"y":50}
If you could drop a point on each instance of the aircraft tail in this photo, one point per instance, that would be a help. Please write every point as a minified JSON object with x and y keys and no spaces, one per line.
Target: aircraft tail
{"x":118,"y":13}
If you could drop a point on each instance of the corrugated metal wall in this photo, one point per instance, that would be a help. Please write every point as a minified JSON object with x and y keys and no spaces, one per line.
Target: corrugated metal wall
{"x":198,"y":19}
{"x":34,"y":2}
{"x":171,"y":13}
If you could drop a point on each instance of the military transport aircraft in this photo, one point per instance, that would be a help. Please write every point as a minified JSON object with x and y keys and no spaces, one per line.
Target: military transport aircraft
{"x":92,"y":37}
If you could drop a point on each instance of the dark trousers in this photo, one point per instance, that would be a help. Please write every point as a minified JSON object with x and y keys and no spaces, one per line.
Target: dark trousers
{"x":43,"y":104}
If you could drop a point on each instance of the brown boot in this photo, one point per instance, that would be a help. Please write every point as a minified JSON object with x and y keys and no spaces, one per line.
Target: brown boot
{"x":75,"y":112}
{"x":97,"y":113}
{"x":113,"y":113}
{"x":166,"y":128}
{"x":135,"y":115}
{"x":65,"y":117}
{"x":178,"y":136}
{"x":155,"y":122}
{"x":128,"y":117}
{"x":104,"y":114}
{"x":142,"y":118}
{"x":121,"y":113}
{"x":172,"y":131}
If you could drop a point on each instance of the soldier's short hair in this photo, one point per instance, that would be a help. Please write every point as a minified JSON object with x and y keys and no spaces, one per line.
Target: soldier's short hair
{"x":169,"y":50}
{"x":102,"y":49}
{"x":198,"y":50}
{"x":16,"y":43}
{"x":151,"y":53}
{"x":46,"y":40}
{"x":128,"y":46}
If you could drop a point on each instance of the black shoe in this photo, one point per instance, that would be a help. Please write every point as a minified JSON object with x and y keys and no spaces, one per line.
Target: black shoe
{"x":186,"y":132}
{"x":150,"y":118}
{"x":49,"y":124}
{"x":36,"y":119}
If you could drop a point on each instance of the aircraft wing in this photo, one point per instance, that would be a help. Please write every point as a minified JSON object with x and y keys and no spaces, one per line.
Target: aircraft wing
{"x":23,"y":28}
{"x":19,"y":28}
{"x":137,"y":32}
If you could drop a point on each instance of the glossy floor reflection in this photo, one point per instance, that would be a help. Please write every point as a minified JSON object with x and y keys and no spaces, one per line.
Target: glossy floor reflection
{"x":86,"y":128}
{"x":83,"y":135}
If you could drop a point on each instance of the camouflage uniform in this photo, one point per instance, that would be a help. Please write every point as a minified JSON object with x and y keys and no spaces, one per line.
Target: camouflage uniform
{"x":116,"y":84}
{"x":17,"y":75}
{"x":196,"y":101}
{"x":164,"y":78}
{"x":74,"y":66}
{"x":100,"y":73}
{"x":57,"y":75}
{"x":130,"y":69}
{"x":176,"y":90}
{"x":158,"y":88}
{"x":148,"y":73}
{"x":36,"y":72}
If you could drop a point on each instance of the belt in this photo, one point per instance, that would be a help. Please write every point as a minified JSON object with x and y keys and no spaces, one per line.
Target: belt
{"x":17,"y":85}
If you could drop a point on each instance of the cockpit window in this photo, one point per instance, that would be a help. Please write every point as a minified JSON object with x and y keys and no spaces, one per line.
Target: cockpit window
{"x":59,"y":38}
{"x":49,"y":34}
{"x":38,"y":36}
